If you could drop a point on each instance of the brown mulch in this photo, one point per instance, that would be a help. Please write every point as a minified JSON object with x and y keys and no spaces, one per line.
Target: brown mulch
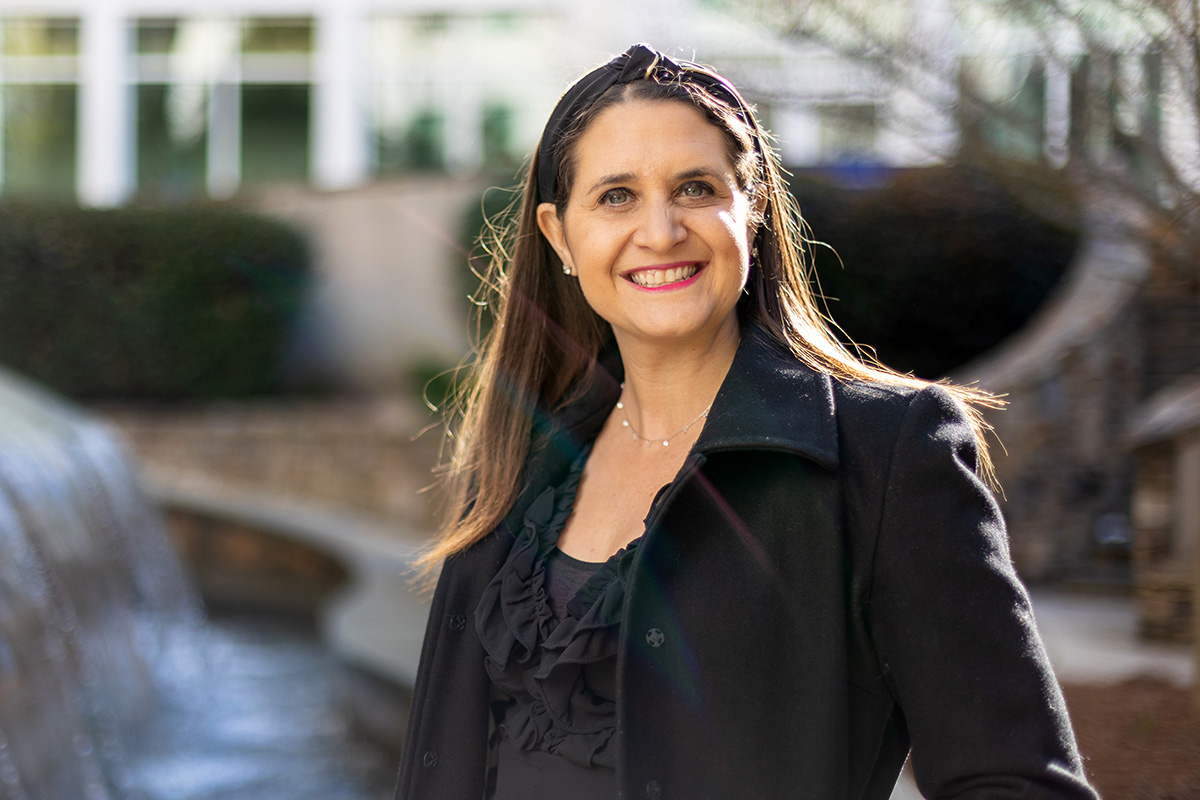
{"x":1139,"y":739}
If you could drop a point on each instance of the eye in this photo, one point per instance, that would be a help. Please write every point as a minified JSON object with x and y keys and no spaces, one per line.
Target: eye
{"x":615,"y":197}
{"x":695,"y":189}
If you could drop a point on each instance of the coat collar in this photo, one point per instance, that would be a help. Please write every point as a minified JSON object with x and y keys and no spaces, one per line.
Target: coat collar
{"x":768,"y":401}
{"x":772,"y":401}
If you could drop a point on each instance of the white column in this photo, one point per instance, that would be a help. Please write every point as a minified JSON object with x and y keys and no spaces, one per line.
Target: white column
{"x":2,"y":101}
{"x":1058,"y":111}
{"x":1180,"y":135}
{"x":224,"y":150}
{"x":105,"y":133}
{"x":217,"y":42}
{"x":929,"y":94}
{"x":340,"y":155}
{"x":462,"y":135}
{"x":799,"y":132}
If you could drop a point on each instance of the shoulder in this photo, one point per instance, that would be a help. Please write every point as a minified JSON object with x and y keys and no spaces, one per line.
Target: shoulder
{"x":879,"y":421}
{"x":889,"y":407}
{"x":774,"y":399}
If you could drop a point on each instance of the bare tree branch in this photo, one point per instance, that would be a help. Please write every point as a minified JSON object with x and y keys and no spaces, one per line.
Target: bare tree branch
{"x":1136,"y":64}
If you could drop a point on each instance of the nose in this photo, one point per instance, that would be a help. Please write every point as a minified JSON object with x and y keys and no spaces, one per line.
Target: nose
{"x":660,"y":226}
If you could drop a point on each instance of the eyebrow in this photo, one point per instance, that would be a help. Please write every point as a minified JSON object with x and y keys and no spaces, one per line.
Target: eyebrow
{"x":698,"y":172}
{"x":625,"y":177}
{"x":622,"y":177}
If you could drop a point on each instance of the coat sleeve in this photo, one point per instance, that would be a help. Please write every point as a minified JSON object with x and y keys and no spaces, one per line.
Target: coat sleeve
{"x":953,"y":626}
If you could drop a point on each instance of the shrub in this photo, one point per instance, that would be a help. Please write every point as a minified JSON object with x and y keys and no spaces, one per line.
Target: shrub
{"x":149,"y":304}
{"x":936,"y":266}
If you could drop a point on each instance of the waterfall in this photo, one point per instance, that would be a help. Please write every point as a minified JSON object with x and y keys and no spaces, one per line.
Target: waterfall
{"x":92,"y":599}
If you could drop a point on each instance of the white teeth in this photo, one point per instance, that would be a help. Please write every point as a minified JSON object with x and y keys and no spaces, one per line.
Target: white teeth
{"x":659,"y":277}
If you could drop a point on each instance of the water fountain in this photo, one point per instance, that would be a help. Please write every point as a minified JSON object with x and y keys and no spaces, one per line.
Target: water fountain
{"x":112,"y":685}
{"x":91,"y":595}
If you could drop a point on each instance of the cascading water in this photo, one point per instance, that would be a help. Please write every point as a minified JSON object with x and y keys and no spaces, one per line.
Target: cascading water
{"x":112,"y":687}
{"x":91,"y":593}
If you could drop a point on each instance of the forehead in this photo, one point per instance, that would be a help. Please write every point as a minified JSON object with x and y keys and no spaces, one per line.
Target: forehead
{"x":648,"y":138}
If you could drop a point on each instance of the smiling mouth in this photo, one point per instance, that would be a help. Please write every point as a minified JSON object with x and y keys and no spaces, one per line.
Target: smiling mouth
{"x":663,"y":277}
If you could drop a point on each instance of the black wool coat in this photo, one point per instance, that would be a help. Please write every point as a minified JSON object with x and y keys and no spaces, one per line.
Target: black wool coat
{"x":825,"y":583}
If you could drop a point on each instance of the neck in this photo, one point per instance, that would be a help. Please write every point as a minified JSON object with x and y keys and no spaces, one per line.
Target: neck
{"x":669,"y":383}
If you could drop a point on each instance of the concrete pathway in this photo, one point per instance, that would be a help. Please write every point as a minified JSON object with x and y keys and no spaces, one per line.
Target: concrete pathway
{"x":1092,"y":639}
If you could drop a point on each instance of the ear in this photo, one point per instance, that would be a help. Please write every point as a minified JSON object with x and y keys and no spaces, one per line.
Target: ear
{"x":759,"y":201}
{"x":552,"y":228}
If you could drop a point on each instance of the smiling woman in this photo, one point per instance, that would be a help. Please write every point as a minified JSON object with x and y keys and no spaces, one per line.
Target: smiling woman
{"x":660,"y":236}
{"x":696,"y":548}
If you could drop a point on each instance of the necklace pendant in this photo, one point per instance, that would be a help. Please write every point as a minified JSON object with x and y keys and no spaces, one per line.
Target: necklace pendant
{"x":666,"y":442}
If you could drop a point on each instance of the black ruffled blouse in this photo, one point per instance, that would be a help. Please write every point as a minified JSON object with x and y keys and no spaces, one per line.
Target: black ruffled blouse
{"x":557,"y":676}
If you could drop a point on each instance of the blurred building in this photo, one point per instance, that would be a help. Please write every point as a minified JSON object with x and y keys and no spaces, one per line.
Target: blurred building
{"x":105,"y":100}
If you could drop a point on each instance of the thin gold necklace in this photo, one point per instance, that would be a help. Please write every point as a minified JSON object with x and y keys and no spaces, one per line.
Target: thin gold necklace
{"x":665,"y":442}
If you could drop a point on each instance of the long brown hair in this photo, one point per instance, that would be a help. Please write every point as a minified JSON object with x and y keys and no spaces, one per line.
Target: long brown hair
{"x":546,"y":338}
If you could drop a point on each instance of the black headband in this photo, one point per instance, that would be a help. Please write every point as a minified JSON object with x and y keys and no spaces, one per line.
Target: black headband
{"x":639,"y":62}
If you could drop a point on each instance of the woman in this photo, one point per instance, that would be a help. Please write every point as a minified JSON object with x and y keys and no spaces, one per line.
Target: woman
{"x":697,"y":549}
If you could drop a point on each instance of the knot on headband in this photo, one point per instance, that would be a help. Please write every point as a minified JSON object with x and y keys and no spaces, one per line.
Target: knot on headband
{"x":640,"y":62}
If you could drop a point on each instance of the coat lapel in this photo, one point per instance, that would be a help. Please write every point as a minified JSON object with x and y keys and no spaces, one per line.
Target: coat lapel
{"x":770,"y":401}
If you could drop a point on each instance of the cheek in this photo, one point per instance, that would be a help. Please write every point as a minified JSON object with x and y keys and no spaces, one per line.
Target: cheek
{"x":590,"y":240}
{"x":737,"y":231}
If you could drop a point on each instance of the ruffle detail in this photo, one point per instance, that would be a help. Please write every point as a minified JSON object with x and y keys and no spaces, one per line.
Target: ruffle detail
{"x":560,"y":674}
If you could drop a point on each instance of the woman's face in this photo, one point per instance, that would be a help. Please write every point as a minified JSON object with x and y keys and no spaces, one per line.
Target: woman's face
{"x":655,"y":228}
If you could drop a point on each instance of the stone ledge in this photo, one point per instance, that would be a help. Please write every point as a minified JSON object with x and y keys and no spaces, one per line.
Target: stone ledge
{"x":377,"y":622}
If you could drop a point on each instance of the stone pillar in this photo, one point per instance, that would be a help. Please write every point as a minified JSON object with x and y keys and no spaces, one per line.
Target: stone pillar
{"x":340,"y":156}
{"x":105,"y":134}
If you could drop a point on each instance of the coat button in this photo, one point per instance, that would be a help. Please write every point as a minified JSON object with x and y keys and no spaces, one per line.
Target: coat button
{"x":430,"y":759}
{"x":458,"y":623}
{"x":655,"y":637}
{"x":653,"y":790}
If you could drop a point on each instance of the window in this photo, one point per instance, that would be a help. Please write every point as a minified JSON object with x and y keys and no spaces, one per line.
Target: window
{"x":277,"y":35}
{"x":275,"y":130}
{"x":172,"y":133}
{"x":155,"y":36}
{"x":497,"y":136}
{"x":44,"y":36}
{"x":39,"y":141}
{"x":847,"y":132}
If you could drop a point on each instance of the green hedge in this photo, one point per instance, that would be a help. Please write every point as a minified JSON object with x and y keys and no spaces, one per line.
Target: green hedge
{"x":149,"y":304}
{"x":936,"y":266}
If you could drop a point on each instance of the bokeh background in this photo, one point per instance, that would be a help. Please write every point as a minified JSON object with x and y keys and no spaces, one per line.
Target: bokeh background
{"x":239,"y":245}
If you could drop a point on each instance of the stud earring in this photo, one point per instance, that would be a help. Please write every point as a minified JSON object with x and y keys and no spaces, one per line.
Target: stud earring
{"x":566,"y":269}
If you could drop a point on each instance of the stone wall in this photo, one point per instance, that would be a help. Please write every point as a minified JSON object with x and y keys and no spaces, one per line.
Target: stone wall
{"x":310,"y":507}
{"x":1071,"y":379}
{"x":362,"y":455}
{"x":389,"y":293}
{"x":1096,"y":488}
{"x":242,"y":566}
{"x":1165,"y":437}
